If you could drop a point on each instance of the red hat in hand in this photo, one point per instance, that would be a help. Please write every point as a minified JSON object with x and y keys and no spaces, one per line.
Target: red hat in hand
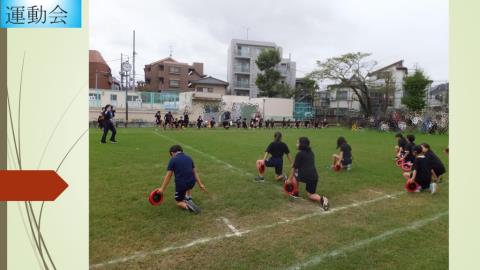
{"x":155,"y":198}
{"x":261,"y":166}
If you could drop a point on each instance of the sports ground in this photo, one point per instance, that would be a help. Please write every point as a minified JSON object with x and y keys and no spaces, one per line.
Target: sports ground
{"x":372,"y":223}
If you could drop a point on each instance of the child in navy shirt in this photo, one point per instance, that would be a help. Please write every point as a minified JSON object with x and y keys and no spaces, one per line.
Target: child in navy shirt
{"x":186,"y":176}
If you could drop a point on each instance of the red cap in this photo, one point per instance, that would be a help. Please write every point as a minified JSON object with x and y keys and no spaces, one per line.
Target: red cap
{"x":155,"y":198}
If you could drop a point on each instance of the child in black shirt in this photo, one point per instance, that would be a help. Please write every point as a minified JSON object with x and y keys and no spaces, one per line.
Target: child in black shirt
{"x":422,"y":171}
{"x":276,"y":149}
{"x":344,"y":158}
{"x":434,"y":161}
{"x":401,"y":145}
{"x":409,"y":157}
{"x":303,"y":170}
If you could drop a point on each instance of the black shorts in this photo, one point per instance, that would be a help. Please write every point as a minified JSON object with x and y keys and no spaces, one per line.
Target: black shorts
{"x":424,"y":183}
{"x":277,"y":163}
{"x":181,"y":190}
{"x":346,"y":162}
{"x":311,"y":185}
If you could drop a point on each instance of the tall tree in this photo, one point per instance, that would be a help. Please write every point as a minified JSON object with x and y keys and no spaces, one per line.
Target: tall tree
{"x":268,"y":81}
{"x":350,"y":70}
{"x":415,"y":91}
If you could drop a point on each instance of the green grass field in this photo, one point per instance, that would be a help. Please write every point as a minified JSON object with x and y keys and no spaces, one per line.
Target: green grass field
{"x":373,"y":223}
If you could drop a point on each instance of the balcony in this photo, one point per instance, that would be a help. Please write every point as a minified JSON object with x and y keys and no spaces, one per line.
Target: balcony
{"x":241,"y":69}
{"x":245,"y":85}
{"x":242,"y":53}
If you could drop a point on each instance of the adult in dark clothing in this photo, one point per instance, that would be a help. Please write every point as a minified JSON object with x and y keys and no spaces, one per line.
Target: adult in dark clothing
{"x":422,"y":172}
{"x":288,"y":123}
{"x":297,"y":124}
{"x":239,"y":122}
{"x":434,"y":161}
{"x":158,"y":118}
{"x":260,"y":123}
{"x":303,"y":170}
{"x":186,"y":119}
{"x":344,"y":158}
{"x":108,"y":116}
{"x":276,"y":150}
{"x":244,"y":123}
{"x":199,"y":122}
{"x":284,"y":123}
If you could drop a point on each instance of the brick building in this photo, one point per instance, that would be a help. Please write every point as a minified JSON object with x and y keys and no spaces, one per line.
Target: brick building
{"x":171,"y":75}
{"x":100,"y":74}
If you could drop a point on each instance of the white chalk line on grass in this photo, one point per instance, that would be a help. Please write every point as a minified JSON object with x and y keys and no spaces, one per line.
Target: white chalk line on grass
{"x":230,"y":226}
{"x":378,"y":192}
{"x":356,"y":245}
{"x":238,"y":233}
{"x":230,"y":166}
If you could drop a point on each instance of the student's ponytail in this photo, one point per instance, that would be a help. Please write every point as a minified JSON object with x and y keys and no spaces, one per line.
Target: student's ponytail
{"x":277,"y":136}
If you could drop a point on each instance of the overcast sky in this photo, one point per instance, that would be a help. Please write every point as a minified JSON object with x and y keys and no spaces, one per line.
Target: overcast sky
{"x":413,"y":30}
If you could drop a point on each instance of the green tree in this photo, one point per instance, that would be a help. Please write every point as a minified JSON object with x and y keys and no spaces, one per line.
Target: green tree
{"x":415,"y":87}
{"x":268,"y":81}
{"x":351,"y":70}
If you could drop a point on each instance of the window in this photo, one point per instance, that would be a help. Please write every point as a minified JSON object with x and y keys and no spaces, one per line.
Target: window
{"x":113,"y":97}
{"x":160,"y":67}
{"x":199,"y":89}
{"x":174,"y":70}
{"x":160,"y":80}
{"x":210,"y":90}
{"x":174,"y":83}
{"x":94,"y":96}
{"x":342,"y":95}
{"x":147,"y":81}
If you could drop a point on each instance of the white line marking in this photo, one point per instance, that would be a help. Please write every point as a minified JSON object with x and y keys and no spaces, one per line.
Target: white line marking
{"x":230,"y":226}
{"x":356,"y":245}
{"x":230,"y":166}
{"x":138,"y":255}
{"x":379,"y":192}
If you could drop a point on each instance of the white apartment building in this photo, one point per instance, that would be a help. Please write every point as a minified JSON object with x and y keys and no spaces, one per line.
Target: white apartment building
{"x":242,"y":70}
{"x":344,"y":100}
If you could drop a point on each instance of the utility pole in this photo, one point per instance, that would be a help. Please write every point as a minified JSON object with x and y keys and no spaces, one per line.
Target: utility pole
{"x":133,"y":60}
{"x":121,"y":71}
{"x":247,"y":32}
{"x":96,"y":79}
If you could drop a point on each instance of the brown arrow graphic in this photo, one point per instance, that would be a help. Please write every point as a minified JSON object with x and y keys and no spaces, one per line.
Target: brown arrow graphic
{"x":30,"y":185}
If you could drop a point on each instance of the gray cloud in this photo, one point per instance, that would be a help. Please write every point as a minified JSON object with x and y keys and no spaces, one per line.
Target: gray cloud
{"x":416,"y":31}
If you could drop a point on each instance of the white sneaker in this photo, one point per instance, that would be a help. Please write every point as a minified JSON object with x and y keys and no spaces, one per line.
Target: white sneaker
{"x":433,"y":188}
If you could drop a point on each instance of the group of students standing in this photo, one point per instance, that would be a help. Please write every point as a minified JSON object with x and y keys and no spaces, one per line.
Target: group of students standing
{"x":171,"y":122}
{"x":426,"y":168}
